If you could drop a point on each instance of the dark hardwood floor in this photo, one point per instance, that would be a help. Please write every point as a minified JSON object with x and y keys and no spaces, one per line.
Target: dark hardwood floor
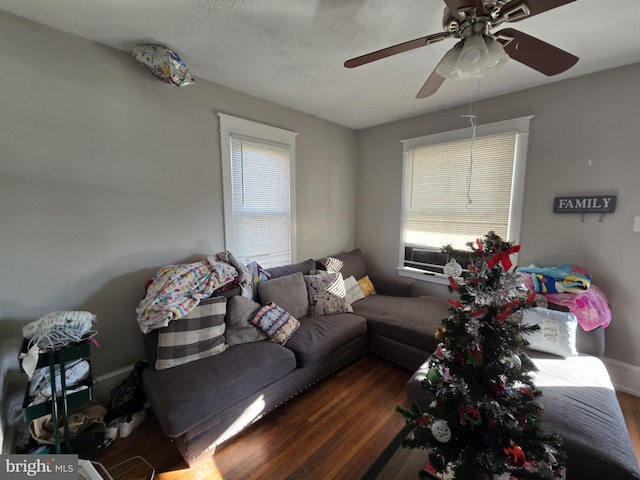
{"x":631,"y":409}
{"x":334,"y":430}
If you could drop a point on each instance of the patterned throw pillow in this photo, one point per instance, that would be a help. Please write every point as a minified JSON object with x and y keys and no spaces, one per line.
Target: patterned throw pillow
{"x":327,"y":294}
{"x":200,"y":334}
{"x":353,"y":290}
{"x":276,"y":322}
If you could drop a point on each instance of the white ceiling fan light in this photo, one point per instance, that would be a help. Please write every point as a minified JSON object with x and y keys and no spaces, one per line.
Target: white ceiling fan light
{"x":496,"y":55}
{"x":471,"y":56}
{"x":474,"y":53}
{"x":448,"y":66}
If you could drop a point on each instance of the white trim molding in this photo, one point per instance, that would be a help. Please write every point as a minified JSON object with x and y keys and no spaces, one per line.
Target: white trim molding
{"x":624,"y":376}
{"x":424,"y":275}
{"x":232,"y":126}
{"x":106,"y":382}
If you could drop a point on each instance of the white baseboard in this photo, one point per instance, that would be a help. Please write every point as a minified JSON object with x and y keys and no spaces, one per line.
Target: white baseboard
{"x":624,"y":376}
{"x":105,"y":383}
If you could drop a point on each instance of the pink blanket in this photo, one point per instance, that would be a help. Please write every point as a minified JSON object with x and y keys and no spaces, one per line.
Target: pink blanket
{"x":591,"y":308}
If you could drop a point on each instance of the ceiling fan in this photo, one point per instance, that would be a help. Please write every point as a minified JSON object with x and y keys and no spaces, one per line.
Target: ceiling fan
{"x":472,"y":21}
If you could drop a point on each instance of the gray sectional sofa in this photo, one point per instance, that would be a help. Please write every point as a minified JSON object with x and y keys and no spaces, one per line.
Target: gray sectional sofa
{"x":203,"y":403}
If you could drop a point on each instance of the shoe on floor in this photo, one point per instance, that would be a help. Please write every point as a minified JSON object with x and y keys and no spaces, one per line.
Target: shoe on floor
{"x":129,"y":423}
{"x":111,"y":432}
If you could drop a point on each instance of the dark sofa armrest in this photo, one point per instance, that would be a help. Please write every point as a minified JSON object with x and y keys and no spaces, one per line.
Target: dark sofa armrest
{"x":393,"y":285}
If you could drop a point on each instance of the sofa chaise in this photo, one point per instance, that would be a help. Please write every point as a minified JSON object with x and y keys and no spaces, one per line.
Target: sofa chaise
{"x":580,"y":405}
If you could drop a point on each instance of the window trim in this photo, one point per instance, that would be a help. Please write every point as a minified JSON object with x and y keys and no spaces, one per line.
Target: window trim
{"x":520,"y":125}
{"x":230,"y":125}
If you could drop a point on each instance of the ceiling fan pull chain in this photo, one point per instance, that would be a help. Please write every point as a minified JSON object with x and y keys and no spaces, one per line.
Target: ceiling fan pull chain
{"x":474,"y":90}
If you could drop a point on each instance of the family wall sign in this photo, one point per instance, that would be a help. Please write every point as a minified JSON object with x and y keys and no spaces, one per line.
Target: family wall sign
{"x":585,"y":204}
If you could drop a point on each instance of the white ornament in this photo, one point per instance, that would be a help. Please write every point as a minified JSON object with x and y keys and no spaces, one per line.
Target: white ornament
{"x":441,"y":431}
{"x":452,"y":268}
{"x":473,"y":327}
{"x":512,"y":361}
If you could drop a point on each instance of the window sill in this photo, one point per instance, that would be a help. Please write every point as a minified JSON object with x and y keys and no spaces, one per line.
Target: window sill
{"x":423,"y":276}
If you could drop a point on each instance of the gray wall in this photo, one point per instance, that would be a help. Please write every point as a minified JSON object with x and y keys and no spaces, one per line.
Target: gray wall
{"x":583,"y":140}
{"x":107,"y":174}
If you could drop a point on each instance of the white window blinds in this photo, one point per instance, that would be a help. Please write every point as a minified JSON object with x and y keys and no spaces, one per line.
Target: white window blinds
{"x":459,"y":185}
{"x":261,"y":201}
{"x":258,"y":179}
{"x":442,"y":207}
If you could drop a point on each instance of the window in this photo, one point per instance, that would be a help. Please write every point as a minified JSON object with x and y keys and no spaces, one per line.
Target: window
{"x":258,"y":170}
{"x":458,"y":186}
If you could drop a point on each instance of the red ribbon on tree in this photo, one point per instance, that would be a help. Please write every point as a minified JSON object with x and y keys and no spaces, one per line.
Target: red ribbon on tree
{"x":503,"y":258}
{"x":430,"y":468}
{"x":517,"y":455}
{"x":479,"y":312}
{"x":530,"y":298}
{"x":508,"y":310}
{"x":423,"y":419}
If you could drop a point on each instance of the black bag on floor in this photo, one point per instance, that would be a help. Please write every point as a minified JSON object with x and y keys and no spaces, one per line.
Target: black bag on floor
{"x":128,"y":397}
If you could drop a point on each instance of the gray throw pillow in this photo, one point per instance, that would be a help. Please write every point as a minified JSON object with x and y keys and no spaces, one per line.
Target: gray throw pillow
{"x":240,"y":311}
{"x":304,"y":267}
{"x":288,"y":292}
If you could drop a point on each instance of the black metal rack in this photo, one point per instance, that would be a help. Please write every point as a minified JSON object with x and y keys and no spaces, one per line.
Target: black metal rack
{"x":58,"y":407}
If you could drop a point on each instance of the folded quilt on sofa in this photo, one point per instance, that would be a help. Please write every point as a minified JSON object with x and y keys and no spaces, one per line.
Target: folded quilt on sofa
{"x":177,"y":289}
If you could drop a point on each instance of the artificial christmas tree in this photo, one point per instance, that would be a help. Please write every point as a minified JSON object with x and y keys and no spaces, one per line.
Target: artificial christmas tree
{"x":484,"y":421}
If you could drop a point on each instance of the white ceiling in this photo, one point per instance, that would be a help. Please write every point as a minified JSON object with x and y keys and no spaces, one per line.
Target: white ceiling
{"x":291,"y":51}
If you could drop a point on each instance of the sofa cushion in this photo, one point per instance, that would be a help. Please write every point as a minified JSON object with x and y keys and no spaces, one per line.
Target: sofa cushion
{"x":200,"y":334}
{"x":240,"y":310}
{"x":408,"y":320}
{"x":276,"y":322}
{"x":289,"y":292}
{"x":348,"y":263}
{"x":183,"y":396}
{"x":591,"y":342}
{"x":318,"y":337}
{"x":326,"y":294}
{"x":303,"y":267}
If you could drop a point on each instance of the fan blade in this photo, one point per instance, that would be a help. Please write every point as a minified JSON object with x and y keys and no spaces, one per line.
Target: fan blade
{"x":516,"y":10}
{"x":535,"y":53}
{"x":431,"y":86}
{"x":395,"y":49}
{"x":458,"y":7}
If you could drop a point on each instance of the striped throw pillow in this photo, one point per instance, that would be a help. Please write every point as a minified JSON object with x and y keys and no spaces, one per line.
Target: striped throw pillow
{"x":276,"y":322}
{"x":200,"y":334}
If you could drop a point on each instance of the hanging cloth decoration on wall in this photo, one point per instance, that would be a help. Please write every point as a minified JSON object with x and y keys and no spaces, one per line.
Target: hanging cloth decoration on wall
{"x":163,"y":63}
